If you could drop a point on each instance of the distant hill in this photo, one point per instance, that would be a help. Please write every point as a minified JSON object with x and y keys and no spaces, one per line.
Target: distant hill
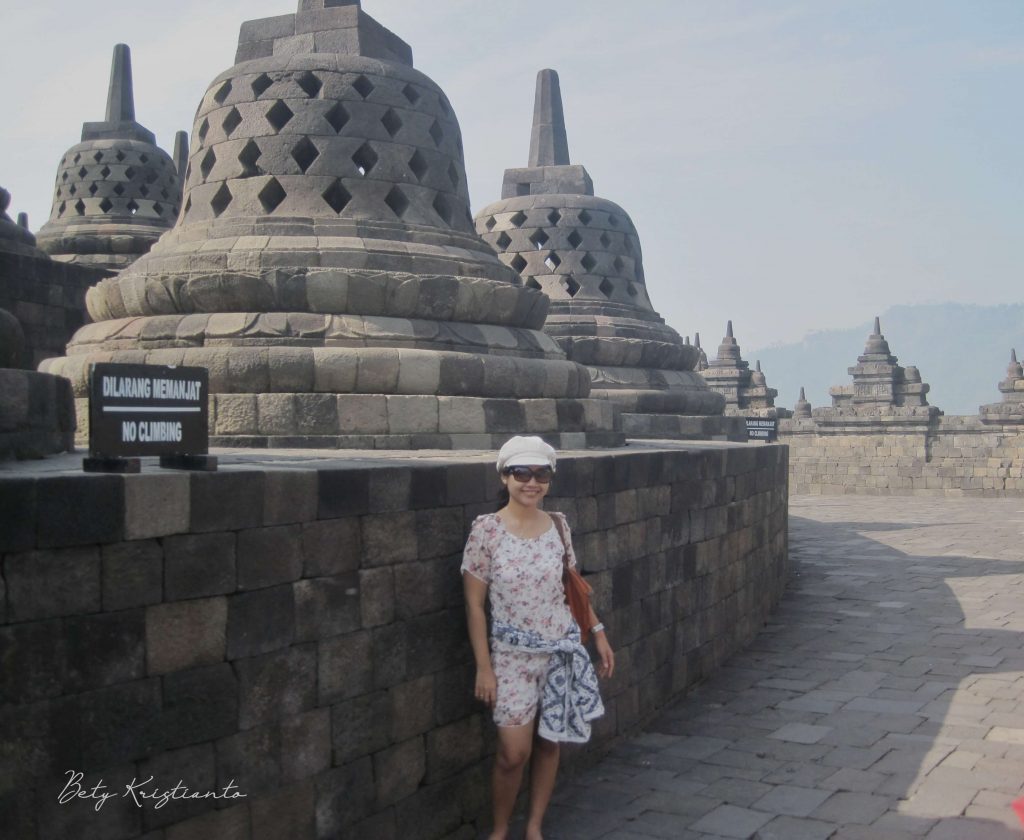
{"x":961,"y":350}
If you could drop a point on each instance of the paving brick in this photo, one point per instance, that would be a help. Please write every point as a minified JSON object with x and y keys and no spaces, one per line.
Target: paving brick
{"x":731,"y":821}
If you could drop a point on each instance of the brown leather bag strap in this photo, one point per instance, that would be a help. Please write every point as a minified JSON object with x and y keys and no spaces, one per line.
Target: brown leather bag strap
{"x":557,"y":519}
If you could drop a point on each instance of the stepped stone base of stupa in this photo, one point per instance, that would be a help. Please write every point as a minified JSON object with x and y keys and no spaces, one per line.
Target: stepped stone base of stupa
{"x":318,"y":380}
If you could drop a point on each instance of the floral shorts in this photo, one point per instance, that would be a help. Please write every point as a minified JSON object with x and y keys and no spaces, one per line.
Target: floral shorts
{"x":520,"y":678}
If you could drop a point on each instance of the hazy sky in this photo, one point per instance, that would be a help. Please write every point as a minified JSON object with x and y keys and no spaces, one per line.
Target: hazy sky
{"x":792,"y":166}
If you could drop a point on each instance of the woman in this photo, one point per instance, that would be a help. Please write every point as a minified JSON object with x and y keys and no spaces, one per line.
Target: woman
{"x":516,"y":558}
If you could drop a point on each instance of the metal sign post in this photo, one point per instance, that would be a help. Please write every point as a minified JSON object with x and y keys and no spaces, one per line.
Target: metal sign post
{"x":137,"y":410}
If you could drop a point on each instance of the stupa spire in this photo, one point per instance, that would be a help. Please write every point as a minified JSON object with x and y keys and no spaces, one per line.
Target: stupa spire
{"x":549,"y":145}
{"x":180,"y":156}
{"x":120,"y":95}
{"x":728,"y":330}
{"x":878,"y":326}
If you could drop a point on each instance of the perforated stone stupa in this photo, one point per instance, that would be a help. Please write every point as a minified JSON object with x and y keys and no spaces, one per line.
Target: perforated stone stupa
{"x":584,"y":253}
{"x":325,"y":268}
{"x":746,"y":391}
{"x":117,"y":192}
{"x":879,"y":382}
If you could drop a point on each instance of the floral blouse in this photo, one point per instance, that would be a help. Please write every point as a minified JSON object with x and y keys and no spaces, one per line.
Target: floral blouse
{"x":524,"y":576}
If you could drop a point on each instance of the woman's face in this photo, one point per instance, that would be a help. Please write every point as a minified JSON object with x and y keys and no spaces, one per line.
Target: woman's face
{"x":527,"y":493}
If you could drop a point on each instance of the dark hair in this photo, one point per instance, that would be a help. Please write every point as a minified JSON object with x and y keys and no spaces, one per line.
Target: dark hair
{"x":503,"y":498}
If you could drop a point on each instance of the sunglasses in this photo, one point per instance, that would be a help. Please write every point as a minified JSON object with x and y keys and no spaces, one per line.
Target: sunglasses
{"x":523,"y":474}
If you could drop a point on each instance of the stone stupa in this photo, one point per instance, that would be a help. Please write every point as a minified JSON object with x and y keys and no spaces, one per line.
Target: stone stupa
{"x":36,"y":411}
{"x":117,"y":192}
{"x":584,"y":253}
{"x":325,"y":269}
{"x":746,"y":391}
{"x":1011,"y":408}
{"x":880,"y":383}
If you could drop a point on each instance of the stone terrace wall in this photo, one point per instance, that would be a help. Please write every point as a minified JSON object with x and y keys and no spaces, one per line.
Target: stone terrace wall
{"x":48,"y":298}
{"x":301,"y":631}
{"x":941,"y":456}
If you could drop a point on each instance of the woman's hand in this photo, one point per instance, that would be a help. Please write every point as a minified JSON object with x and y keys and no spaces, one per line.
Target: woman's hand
{"x":486,"y":689}
{"x":604,"y":650}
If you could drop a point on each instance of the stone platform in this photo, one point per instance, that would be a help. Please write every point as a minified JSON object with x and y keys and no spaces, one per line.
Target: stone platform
{"x":295,"y":622}
{"x":881,"y":701}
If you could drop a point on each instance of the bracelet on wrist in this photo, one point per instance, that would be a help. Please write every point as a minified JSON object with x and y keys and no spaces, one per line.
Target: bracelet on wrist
{"x":597,"y":628}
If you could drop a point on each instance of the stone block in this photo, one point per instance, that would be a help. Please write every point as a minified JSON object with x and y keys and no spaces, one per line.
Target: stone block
{"x":104,"y":649}
{"x":342,"y":493}
{"x":44,"y":584}
{"x":390,"y":654}
{"x":345,"y":667}
{"x":419,"y":372}
{"x":185,"y":634}
{"x":376,"y":596}
{"x":412,"y":414}
{"x":453,"y":693}
{"x":331,"y":546}
{"x":377,"y":372}
{"x":289,"y":496}
{"x":132,"y":574}
{"x":229,"y":824}
{"x":275,"y":685}
{"x":195,"y":767}
{"x":398,"y":771}
{"x":412,"y":708}
{"x":32,"y":662}
{"x":344,"y":796}
{"x":226,"y":501}
{"x":115,"y":725}
{"x":276,"y":414}
{"x":390,"y":489}
{"x":260,"y":622}
{"x":334,"y":371}
{"x":236,"y":414}
{"x":461,"y":415}
{"x":200,"y":704}
{"x":290,"y":812}
{"x":426,"y":586}
{"x":440,"y":532}
{"x":428,"y":487}
{"x":327,"y":606}
{"x":435,"y":642}
{"x":90,"y":509}
{"x":362,"y":414}
{"x":389,"y":538}
{"x":18,"y":502}
{"x":291,"y":369}
{"x":453,"y":747}
{"x":359,"y":726}
{"x":199,"y":565}
{"x":469,"y":483}
{"x":251,"y":759}
{"x":268,"y":556}
{"x":305,"y":745}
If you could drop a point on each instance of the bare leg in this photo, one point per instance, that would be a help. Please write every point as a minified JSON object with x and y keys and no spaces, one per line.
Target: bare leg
{"x":543,"y":770}
{"x":514,"y":746}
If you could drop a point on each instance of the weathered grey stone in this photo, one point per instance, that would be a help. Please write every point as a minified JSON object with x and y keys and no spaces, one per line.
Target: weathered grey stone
{"x":267,"y":556}
{"x":331,"y":546}
{"x":185,"y":634}
{"x":199,"y":565}
{"x":133,"y":574}
{"x":398,"y":771}
{"x":260,"y":622}
{"x":44,"y":584}
{"x":277,"y":684}
{"x":155,"y":505}
{"x":327,"y":606}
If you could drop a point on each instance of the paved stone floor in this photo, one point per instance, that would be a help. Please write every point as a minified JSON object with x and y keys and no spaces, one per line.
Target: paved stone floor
{"x":884,"y":700}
